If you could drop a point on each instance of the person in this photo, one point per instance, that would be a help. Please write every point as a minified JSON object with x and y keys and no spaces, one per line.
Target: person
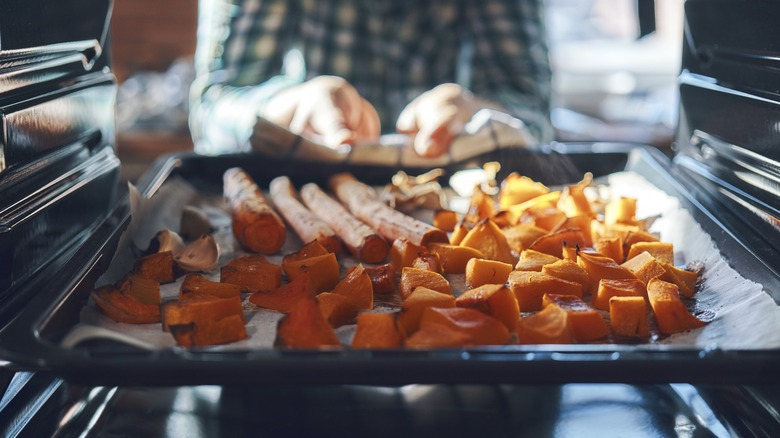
{"x":344,"y":71}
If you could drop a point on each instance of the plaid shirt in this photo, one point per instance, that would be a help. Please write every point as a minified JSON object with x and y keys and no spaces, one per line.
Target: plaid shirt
{"x":390,"y":50}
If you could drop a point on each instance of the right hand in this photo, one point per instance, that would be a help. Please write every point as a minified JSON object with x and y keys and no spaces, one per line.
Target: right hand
{"x":326,"y":109}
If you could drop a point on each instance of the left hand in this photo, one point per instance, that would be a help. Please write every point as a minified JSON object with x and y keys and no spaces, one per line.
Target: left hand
{"x":436,"y":117}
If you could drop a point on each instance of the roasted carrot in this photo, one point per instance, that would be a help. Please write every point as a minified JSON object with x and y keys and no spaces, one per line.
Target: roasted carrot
{"x":363,"y":201}
{"x":255,"y":223}
{"x":363,"y":242}
{"x":306,"y":224}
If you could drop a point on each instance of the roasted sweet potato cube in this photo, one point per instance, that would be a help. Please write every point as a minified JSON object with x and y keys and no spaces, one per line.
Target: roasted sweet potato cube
{"x":481,"y":206}
{"x":403,"y":253}
{"x":531,"y":260}
{"x":199,"y":309}
{"x":516,"y":189}
{"x":670,"y":312}
{"x":480,"y":328}
{"x":445,"y":219}
{"x":357,"y":287}
{"x":337,"y":309}
{"x":483,"y":271}
{"x":631,"y":287}
{"x":490,"y":240}
{"x":550,"y":326}
{"x":685,"y":280}
{"x":636,"y":236}
{"x":460,"y":232}
{"x":428,"y":260}
{"x":529,"y":287}
{"x":644,"y":267}
{"x":323,"y":270}
{"x":122,"y":308}
{"x":569,"y":252}
{"x":197,"y":284}
{"x":437,"y":336}
{"x":412,"y":278}
{"x":662,"y":252}
{"x":307,"y":251}
{"x":582,"y":223}
{"x":383,"y":279}
{"x":585,"y":323}
{"x":547,"y":200}
{"x":377,"y":330}
{"x":158,"y":266}
{"x":305,"y":327}
{"x":522,"y":236}
{"x":573,"y":201}
{"x":611,"y":247}
{"x":454,"y":257}
{"x":253,"y":272}
{"x":545,"y":217}
{"x":628,"y":317}
{"x":495,"y":300}
{"x":621,"y":210}
{"x":568,"y":270}
{"x":552,"y":243}
{"x":144,"y":290}
{"x":208,"y":332}
{"x":599,"y":267}
{"x":284,"y":297}
{"x":416,"y":303}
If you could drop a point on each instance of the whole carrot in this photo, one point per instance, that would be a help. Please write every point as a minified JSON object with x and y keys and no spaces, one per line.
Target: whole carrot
{"x":255,"y":223}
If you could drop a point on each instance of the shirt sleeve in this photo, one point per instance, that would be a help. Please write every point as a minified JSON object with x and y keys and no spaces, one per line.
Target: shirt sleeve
{"x":241,"y":46}
{"x":510,"y":63}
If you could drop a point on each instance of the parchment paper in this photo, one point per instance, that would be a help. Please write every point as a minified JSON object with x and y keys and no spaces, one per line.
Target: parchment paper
{"x":741,"y":314}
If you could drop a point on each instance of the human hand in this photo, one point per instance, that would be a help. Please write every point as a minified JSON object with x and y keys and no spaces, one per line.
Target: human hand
{"x":436,"y":117}
{"x":327,"y":109}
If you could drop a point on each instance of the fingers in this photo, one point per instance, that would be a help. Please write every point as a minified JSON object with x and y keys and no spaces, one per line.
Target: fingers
{"x":369,"y":126}
{"x":407,"y":120}
{"x":437,"y":131}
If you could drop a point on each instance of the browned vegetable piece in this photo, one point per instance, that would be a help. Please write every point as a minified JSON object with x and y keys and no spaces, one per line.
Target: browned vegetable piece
{"x":480,"y":328}
{"x":631,"y":287}
{"x":307,"y":225}
{"x":529,"y":287}
{"x":196,"y":284}
{"x":483,"y":271}
{"x":550,"y":326}
{"x":490,"y":240}
{"x":382,"y":278}
{"x":445,"y":220}
{"x":199,"y":309}
{"x":413,"y":277}
{"x":611,"y":247}
{"x":494,"y":300}
{"x":437,"y":336}
{"x":545,"y":217}
{"x":337,"y":309}
{"x":428,"y":260}
{"x":223,"y":331}
{"x":669,"y":310}
{"x":583,"y":223}
{"x":516,"y":189}
{"x":323,"y":270}
{"x":459,"y":233}
{"x":122,"y":308}
{"x":628,"y":317}
{"x":621,"y":210}
{"x":158,"y":266}
{"x":357,"y":287}
{"x":481,"y":207}
{"x":636,"y":236}
{"x":599,"y":267}
{"x":377,"y":330}
{"x":255,"y":223}
{"x":305,"y":327}
{"x":416,"y":303}
{"x":573,"y":201}
{"x":585,"y":322}
{"x":644,"y":267}
{"x":684,"y":279}
{"x":521,"y":236}
{"x":454,"y":257}
{"x":531,"y":260}
{"x":361,"y":240}
{"x":662,"y":252}
{"x":363,"y":201}
{"x":552,"y":243}
{"x":284,"y":298}
{"x":253,"y":272}
{"x":144,"y":290}
{"x":403,"y":253}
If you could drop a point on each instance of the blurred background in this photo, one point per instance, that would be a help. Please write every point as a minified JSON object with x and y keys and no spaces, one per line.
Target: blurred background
{"x":614,"y":62}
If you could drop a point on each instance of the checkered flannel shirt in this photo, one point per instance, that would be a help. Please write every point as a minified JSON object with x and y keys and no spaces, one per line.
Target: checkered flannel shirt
{"x":390,"y":50}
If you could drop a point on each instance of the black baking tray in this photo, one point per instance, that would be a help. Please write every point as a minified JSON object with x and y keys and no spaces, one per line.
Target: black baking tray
{"x":31,"y":340}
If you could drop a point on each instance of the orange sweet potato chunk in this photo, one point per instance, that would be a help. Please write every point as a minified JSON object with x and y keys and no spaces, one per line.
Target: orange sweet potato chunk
{"x":628,"y":317}
{"x":403,"y":253}
{"x":611,"y":247}
{"x":662,"y":252}
{"x":210,"y":332}
{"x":644,"y":267}
{"x":568,"y":270}
{"x":516,"y":189}
{"x":158,"y":266}
{"x":547,"y":217}
{"x":670,"y":312}
{"x":552,"y":243}
{"x":357,"y":287}
{"x":445,"y":220}
{"x":253,"y":272}
{"x":550,"y":326}
{"x":631,"y":287}
{"x":585,"y":322}
{"x":684,"y":279}
{"x":416,"y":303}
{"x":437,"y":336}
{"x":584,"y":223}
{"x":635,"y":236}
{"x":200,"y":309}
{"x":600,"y":267}
{"x":483,"y":271}
{"x":480,"y":328}
{"x":323,"y":270}
{"x":197,"y":284}
{"x":144,"y":290}
{"x":495,"y":300}
{"x":377,"y":330}
{"x":459,"y":232}
{"x":522,"y":236}
{"x":307,"y":251}
{"x":305,"y":327}
{"x":529,"y":287}
{"x":122,"y":308}
{"x":428,"y":260}
{"x":621,"y":210}
{"x":283,"y":298}
{"x":337,"y":309}
{"x":531,"y":260}
{"x":454,"y":257}
{"x":412,"y":278}
{"x":488,"y":238}
{"x":383,"y":279}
